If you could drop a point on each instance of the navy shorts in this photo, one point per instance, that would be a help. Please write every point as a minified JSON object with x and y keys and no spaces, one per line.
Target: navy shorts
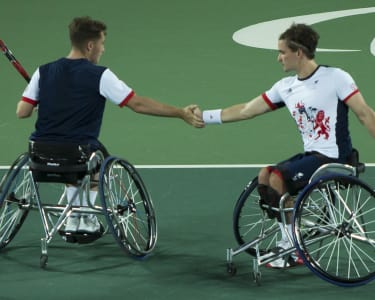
{"x":297,"y":170}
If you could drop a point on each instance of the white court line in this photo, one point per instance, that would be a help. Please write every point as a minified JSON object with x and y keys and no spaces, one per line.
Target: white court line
{"x":197,"y":166}
{"x":201,"y":166}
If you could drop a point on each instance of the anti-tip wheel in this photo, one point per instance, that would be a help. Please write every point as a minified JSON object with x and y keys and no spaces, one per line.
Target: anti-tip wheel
{"x":43,"y":261}
{"x":231,"y":269}
{"x":257,"y":277}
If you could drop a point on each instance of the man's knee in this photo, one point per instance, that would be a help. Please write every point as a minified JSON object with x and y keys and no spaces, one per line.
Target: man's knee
{"x":264,"y":175}
{"x":276,"y":181}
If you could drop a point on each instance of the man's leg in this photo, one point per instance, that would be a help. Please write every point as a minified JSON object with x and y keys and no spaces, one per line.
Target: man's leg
{"x":89,"y":222}
{"x":73,"y":197}
{"x":264,"y":190}
{"x":277,"y":183}
{"x":270,"y":189}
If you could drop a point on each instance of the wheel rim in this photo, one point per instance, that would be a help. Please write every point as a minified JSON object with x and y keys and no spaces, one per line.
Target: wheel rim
{"x":335,"y":230}
{"x":128,"y":208}
{"x":15,"y":199}
{"x":250,"y":223}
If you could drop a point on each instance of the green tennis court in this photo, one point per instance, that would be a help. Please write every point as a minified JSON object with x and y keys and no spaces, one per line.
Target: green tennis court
{"x":178,"y":52}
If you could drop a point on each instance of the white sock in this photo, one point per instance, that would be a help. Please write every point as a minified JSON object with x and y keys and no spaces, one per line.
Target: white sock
{"x":290,"y":230}
{"x":92,"y":197}
{"x":284,"y":236}
{"x":70,"y":191}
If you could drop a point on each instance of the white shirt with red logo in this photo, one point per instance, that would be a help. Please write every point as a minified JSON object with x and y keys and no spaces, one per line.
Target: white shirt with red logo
{"x":317,"y":104}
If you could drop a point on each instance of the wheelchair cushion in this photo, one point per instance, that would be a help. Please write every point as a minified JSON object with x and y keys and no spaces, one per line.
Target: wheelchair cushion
{"x":353,"y":160}
{"x":58,"y":162}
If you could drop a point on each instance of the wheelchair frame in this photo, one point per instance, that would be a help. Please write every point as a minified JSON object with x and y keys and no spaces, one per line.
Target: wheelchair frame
{"x":125,"y":209}
{"x":333,"y":227}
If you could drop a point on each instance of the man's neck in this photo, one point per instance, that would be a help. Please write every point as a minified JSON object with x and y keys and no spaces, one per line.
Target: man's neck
{"x":75,"y":54}
{"x":307,"y":68}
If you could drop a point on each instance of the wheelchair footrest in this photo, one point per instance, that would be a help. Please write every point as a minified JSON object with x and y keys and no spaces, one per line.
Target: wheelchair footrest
{"x":82,"y":237}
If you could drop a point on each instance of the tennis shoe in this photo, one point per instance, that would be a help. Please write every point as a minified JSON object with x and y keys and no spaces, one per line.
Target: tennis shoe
{"x":88,"y":224}
{"x":72,"y":223}
{"x":285,"y":244}
{"x":283,"y":262}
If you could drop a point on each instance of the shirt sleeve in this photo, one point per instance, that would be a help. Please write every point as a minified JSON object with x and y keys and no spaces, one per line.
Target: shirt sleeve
{"x":345,"y":85}
{"x":114,"y":89}
{"x":272,"y":97}
{"x":31,"y":92}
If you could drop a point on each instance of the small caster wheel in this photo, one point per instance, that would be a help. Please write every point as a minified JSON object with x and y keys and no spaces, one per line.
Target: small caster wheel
{"x":257,"y":277}
{"x":43,"y":261}
{"x":231,"y":269}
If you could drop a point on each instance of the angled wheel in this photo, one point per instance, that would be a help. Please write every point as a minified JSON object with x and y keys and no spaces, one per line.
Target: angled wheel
{"x":127,"y":206}
{"x":334,"y":229}
{"x":251,"y":224}
{"x":15,"y":198}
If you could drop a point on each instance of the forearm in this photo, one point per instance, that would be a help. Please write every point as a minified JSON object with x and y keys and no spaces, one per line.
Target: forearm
{"x":218,"y":116}
{"x":235,"y":113}
{"x":162,"y":110}
{"x":238,"y":112}
{"x":149,"y":106}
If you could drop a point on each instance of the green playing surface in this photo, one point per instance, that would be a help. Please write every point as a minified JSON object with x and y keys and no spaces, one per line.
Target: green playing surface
{"x":178,"y":52}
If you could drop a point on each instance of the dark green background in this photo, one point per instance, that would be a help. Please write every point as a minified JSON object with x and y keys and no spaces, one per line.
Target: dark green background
{"x":179,"y":52}
{"x":182,"y":52}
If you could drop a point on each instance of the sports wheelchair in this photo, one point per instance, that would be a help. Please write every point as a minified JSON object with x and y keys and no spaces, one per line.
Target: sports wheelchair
{"x":333,"y":226}
{"x":37,"y":180}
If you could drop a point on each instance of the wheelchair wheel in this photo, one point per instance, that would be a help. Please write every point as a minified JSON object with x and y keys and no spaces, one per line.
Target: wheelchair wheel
{"x":334,"y":229}
{"x":127,"y":206}
{"x":15,"y":199}
{"x":251,"y":224}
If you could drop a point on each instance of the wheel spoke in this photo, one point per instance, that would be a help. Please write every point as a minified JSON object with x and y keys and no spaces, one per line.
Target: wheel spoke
{"x":335,"y":229}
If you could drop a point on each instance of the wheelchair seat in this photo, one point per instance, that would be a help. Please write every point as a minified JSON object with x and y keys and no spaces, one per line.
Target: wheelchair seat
{"x":352,"y":167}
{"x":353,"y":160}
{"x":37,"y":180}
{"x":58,"y":162}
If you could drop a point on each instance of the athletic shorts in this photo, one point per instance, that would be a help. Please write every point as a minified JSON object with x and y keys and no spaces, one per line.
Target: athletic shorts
{"x":297,"y":170}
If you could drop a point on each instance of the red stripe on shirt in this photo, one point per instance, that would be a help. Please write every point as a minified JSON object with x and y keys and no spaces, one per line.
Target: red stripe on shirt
{"x":350,"y":95}
{"x":278,"y":173}
{"x":126,"y":100}
{"x":31,"y":101}
{"x":268,"y":101}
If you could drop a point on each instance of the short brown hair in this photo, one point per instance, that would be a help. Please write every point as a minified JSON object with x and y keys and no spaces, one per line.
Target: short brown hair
{"x":301,"y":36}
{"x":83,"y":29}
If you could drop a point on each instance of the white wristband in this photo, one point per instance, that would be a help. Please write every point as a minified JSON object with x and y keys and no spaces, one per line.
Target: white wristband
{"x":212,"y":116}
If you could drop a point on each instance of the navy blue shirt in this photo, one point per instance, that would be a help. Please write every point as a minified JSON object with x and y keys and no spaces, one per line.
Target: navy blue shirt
{"x":70,"y":104}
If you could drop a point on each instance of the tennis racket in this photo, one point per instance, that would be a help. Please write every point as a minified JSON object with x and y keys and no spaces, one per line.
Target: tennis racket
{"x":9,"y":55}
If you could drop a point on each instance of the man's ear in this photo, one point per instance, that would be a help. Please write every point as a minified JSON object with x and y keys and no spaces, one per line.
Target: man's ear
{"x":90,"y":45}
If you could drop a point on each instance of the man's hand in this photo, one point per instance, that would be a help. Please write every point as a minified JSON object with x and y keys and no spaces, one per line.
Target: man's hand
{"x":193,"y":116}
{"x":197,"y":111}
